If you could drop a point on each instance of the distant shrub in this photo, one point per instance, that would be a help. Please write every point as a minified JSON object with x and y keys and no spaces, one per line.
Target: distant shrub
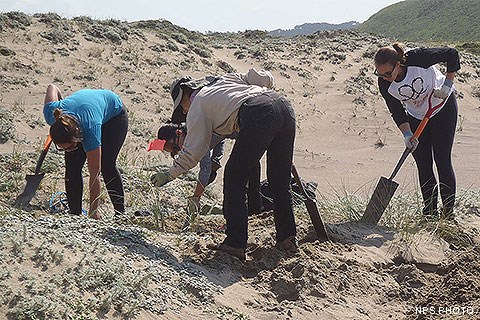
{"x":369,"y":53}
{"x":48,"y":18}
{"x":113,"y":36}
{"x":201,"y":50}
{"x":113,"y":30}
{"x":255,"y":34}
{"x":157,"y":62}
{"x":225,"y":66}
{"x":7,"y":52}
{"x":472,"y":47}
{"x":240,"y":54}
{"x":57,"y":35}
{"x":7,"y":129}
{"x":83,"y":19}
{"x":206,"y":62}
{"x":158,"y":48}
{"x":269,"y":65}
{"x":172,"y":46}
{"x":180,"y":38}
{"x":14,"y":19}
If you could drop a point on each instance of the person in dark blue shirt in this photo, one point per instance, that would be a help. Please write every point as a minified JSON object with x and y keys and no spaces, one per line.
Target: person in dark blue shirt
{"x":88,"y":125}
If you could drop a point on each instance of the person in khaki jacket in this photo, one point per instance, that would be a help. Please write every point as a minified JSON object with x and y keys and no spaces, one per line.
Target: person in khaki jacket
{"x":245,"y":104}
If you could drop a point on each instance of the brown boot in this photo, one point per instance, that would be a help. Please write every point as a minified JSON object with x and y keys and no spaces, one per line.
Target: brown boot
{"x":236,"y":252}
{"x":289,"y":245}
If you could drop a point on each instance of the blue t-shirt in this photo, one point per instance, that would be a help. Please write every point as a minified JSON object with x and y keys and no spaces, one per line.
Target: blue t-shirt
{"x":91,"y":108}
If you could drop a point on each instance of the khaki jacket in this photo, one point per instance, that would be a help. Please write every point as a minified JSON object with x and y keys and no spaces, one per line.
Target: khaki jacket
{"x":214,"y":109}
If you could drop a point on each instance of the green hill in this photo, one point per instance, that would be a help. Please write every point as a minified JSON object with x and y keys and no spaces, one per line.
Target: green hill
{"x":428,"y":20}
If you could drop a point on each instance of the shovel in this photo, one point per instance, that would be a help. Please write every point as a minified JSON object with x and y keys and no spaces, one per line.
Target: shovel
{"x":33,"y":181}
{"x":311,"y":208}
{"x":385,"y":188}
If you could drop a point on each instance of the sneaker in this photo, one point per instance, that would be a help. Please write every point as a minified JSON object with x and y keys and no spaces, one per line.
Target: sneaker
{"x":289,"y":244}
{"x":236,"y":252}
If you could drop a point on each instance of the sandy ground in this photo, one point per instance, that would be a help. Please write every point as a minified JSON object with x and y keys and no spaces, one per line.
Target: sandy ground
{"x":345,"y":141}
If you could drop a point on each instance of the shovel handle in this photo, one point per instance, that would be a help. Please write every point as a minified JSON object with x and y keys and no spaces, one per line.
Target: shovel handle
{"x":46,"y":146}
{"x":417,"y":133}
{"x":407,"y":151}
{"x":299,"y":182}
{"x":47,"y":143}
{"x":312,"y":208}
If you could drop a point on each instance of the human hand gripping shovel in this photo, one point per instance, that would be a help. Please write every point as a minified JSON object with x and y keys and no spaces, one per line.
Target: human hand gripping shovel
{"x":386,"y":187}
{"x":33,"y":181}
{"x":311,"y":208}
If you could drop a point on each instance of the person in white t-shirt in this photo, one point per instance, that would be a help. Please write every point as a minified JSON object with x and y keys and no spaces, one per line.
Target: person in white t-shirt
{"x":406,"y":80}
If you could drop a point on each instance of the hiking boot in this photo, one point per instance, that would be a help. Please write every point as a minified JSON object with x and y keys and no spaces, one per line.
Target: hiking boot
{"x":236,"y":252}
{"x":288,"y":245}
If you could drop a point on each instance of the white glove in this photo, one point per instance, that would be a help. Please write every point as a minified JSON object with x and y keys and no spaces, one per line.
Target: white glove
{"x":411,"y":142}
{"x":443,"y":92}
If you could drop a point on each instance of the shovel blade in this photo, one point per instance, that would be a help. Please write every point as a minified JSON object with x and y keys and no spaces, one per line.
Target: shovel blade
{"x":33,"y":181}
{"x":380,"y":199}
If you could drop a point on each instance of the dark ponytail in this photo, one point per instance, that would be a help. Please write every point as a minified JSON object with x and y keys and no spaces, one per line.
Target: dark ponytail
{"x":65,"y":129}
{"x":169,"y":130}
{"x":391,"y":54}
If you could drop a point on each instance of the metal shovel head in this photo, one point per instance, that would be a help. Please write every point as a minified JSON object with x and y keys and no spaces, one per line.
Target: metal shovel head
{"x":33,"y":181}
{"x":380,"y":200}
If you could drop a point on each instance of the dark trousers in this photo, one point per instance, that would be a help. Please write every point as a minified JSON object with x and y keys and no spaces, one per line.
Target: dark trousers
{"x":267,"y":123}
{"x":435,"y":143}
{"x":113,"y":135}
{"x":254,"y":197}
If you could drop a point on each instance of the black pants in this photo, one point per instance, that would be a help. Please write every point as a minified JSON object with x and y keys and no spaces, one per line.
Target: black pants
{"x":267,"y":123}
{"x":435,"y":143}
{"x":113,"y":135}
{"x":254,"y":197}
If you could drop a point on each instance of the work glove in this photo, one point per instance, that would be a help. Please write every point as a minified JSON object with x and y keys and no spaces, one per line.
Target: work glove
{"x":443,"y":92}
{"x":161,"y":178}
{"x":213,"y":172}
{"x":411,"y":142}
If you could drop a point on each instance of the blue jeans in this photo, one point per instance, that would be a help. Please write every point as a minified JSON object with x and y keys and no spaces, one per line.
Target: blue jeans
{"x":267,"y":123}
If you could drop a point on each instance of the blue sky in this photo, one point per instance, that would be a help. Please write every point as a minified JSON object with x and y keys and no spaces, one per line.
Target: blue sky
{"x":213,"y":15}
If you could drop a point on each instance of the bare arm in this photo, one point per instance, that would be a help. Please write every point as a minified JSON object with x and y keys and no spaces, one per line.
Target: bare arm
{"x":450,"y":75}
{"x":53,"y":94}
{"x":94,"y":164}
{"x":404,"y":127}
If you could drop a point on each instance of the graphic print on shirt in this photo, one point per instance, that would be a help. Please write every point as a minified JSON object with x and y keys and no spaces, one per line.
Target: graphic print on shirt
{"x":412,"y":91}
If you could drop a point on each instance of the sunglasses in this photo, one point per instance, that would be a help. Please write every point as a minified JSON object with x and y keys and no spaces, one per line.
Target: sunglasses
{"x":386,"y":74}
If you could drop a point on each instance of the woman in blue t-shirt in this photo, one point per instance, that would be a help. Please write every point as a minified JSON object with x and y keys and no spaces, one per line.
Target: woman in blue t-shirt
{"x":88,"y":125}
{"x":406,"y":80}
